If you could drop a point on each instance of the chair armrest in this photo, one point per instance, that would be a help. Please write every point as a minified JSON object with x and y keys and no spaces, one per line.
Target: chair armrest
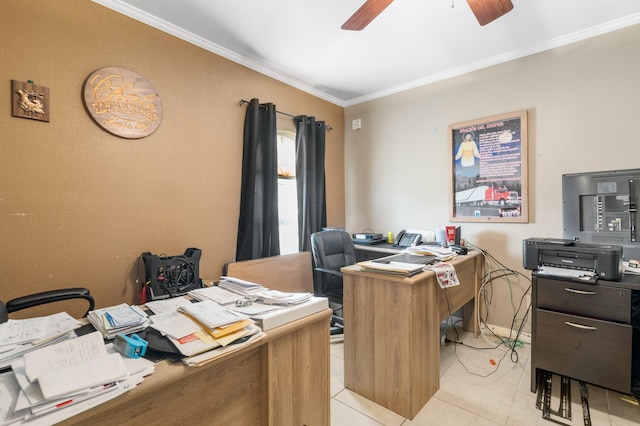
{"x":329,"y":271}
{"x":50,"y":296}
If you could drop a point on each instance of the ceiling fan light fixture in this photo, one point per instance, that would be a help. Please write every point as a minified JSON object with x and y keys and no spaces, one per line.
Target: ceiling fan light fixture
{"x":489,"y":10}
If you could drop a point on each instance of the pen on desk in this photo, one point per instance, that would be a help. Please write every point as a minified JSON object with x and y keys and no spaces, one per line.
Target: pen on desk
{"x":109,"y":318}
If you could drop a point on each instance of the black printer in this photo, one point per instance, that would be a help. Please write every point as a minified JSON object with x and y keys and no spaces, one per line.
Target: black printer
{"x":603,"y":260}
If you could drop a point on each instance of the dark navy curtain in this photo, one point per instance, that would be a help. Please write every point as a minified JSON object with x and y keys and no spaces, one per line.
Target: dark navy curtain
{"x":310,"y":179}
{"x":258,"y":226}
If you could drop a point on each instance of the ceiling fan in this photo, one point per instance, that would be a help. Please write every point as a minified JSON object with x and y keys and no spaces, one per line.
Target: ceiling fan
{"x":484,"y":10}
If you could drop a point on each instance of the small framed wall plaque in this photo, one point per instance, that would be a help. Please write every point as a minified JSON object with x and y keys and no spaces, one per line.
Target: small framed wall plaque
{"x":123,"y":102}
{"x":29,"y":100}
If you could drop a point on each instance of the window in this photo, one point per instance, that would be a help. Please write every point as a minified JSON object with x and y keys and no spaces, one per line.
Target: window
{"x":287,"y":192}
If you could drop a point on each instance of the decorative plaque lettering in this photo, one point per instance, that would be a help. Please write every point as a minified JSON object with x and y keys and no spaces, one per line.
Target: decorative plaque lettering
{"x":123,"y":102}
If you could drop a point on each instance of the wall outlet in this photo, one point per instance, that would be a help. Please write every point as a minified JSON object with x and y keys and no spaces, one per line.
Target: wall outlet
{"x":356,"y":124}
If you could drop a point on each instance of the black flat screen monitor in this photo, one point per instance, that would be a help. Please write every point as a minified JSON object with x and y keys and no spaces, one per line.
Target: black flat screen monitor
{"x":601,"y":208}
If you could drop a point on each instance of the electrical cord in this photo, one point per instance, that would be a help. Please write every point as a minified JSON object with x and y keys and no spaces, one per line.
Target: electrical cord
{"x":459,"y":342}
{"x":177,"y":278}
{"x":509,"y":344}
{"x":488,"y":278}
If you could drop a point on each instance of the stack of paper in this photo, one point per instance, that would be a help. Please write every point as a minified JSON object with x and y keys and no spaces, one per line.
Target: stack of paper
{"x":286,"y":314}
{"x":205,"y":357}
{"x":441,"y":253}
{"x":163,"y":306}
{"x":212,"y":315}
{"x":203,"y":326}
{"x":393,"y":268}
{"x":18,"y":337}
{"x":70,"y":367}
{"x":218,"y":294}
{"x":119,"y":319}
{"x":224,"y":296}
{"x":79,"y":373}
{"x":275,"y":297}
{"x":268,"y":308}
{"x":239,"y":286}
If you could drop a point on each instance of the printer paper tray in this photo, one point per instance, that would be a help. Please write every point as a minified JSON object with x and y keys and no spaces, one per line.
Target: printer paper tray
{"x":573,"y":274}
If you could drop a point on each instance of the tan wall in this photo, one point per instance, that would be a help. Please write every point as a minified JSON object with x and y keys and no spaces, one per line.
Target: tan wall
{"x":77,"y":204}
{"x":582,"y":102}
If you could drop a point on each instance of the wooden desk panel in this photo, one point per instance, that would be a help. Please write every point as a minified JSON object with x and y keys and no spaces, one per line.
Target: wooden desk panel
{"x":469,"y":272}
{"x":283,"y":379}
{"x":392,"y":332}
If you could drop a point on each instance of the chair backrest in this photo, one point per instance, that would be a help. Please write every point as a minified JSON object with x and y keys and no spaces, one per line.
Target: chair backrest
{"x":332,"y":249}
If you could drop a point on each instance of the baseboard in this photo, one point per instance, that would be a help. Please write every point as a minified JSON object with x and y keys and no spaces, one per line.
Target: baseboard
{"x":500,"y":331}
{"x":505,"y":332}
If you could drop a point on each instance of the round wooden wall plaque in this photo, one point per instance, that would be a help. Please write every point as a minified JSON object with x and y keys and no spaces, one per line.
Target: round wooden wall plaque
{"x":123,"y":102}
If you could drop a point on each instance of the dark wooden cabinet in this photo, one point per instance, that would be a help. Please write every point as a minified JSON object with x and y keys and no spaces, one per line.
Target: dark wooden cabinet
{"x":584,"y":331}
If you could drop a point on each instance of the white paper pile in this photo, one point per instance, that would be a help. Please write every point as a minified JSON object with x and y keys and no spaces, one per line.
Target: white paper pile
{"x":200,"y":327}
{"x":267,"y":308}
{"x":163,"y":306}
{"x":393,"y":268}
{"x":217,"y":294}
{"x":58,"y":381}
{"x":275,"y":297}
{"x":231,"y":289}
{"x":119,"y":319}
{"x":18,"y":337}
{"x":238,"y":286}
{"x":211,"y":314}
{"x":441,"y":253}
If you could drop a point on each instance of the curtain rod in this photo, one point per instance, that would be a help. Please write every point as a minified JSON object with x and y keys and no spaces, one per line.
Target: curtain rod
{"x":326,"y":126}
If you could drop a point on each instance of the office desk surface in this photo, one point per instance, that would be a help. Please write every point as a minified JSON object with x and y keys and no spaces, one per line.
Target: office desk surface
{"x":392,"y":331}
{"x":382,"y":248}
{"x":282,"y":379}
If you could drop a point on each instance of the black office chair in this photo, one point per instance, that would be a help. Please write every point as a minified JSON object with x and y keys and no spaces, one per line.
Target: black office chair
{"x":51,"y":296}
{"x":331,"y":250}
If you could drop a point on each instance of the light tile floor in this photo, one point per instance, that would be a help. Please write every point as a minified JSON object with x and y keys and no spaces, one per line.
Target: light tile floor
{"x":475,"y":392}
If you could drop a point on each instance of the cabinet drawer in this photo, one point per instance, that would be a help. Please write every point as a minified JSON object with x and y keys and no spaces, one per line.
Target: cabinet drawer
{"x":589,"y":300}
{"x":591,"y":350}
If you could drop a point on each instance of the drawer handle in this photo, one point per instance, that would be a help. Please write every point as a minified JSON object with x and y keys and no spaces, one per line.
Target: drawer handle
{"x":573,"y":290}
{"x":583,"y":327}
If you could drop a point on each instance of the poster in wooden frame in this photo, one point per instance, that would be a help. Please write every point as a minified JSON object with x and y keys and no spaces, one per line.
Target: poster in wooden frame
{"x":489,"y":169}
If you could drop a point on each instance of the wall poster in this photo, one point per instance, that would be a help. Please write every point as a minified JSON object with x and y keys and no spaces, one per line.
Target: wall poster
{"x":489,"y":169}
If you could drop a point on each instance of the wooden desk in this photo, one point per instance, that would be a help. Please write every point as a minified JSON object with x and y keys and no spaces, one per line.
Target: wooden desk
{"x":282,"y":380}
{"x":392,"y":331}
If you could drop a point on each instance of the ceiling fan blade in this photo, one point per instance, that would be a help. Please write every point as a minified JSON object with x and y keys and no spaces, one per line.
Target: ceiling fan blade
{"x":365,"y":14}
{"x":489,"y":10}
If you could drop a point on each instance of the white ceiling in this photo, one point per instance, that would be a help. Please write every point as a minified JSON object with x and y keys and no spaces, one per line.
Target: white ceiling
{"x":412,"y":43}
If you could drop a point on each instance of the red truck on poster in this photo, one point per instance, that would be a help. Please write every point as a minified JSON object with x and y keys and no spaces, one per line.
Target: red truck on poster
{"x":487,"y":195}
